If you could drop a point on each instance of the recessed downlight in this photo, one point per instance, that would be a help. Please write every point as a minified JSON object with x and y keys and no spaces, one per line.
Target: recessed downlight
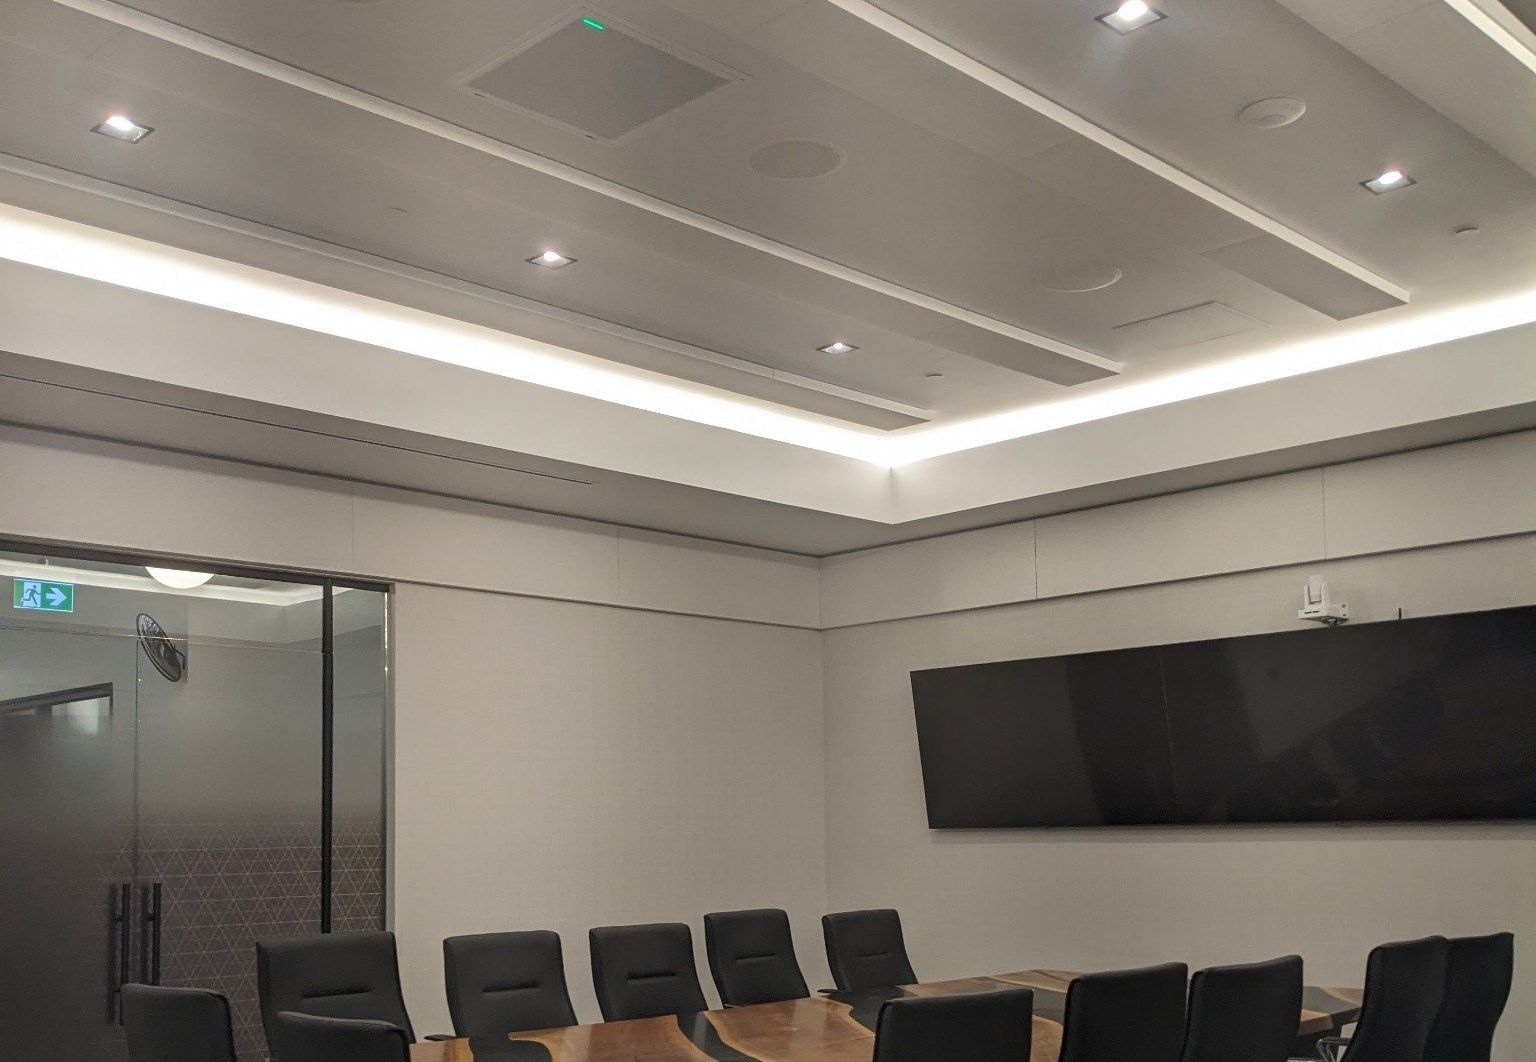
{"x":121,"y":127}
{"x":550,"y":258}
{"x":1131,"y":15}
{"x":838,"y":347}
{"x":1389,"y":181}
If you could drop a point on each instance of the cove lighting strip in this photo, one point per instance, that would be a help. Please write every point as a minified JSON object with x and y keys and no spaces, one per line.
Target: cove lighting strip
{"x":1297,"y":359}
{"x":125,"y":261}
{"x":97,"y":254}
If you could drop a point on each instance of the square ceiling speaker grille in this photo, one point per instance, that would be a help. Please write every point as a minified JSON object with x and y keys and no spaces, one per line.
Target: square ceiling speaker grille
{"x":597,"y":79}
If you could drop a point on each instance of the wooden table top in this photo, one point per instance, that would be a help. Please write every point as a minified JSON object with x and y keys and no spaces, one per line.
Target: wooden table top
{"x":835,"y":1028}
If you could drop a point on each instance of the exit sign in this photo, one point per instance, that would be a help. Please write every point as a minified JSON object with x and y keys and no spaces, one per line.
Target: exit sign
{"x":39,"y":595}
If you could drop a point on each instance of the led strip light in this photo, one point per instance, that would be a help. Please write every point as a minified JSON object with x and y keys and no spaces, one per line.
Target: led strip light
{"x":96,"y":254}
{"x":80,"y":250}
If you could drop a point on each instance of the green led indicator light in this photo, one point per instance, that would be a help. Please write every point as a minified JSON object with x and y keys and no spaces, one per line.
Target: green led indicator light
{"x":593,"y":24}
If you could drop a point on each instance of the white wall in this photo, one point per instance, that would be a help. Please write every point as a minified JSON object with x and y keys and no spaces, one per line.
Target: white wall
{"x":565,"y":766}
{"x":1223,"y":561}
{"x":1457,"y":493}
{"x":104,"y":494}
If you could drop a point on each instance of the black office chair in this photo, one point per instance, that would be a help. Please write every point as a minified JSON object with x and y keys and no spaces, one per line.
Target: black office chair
{"x":1126,"y":1014}
{"x":502,"y":983}
{"x":309,"y":1038}
{"x":865,"y":949}
{"x":330,"y":975}
{"x":980,"y":1027}
{"x":1245,"y":1013}
{"x":752,"y":957}
{"x":645,"y":971}
{"x":1478,"y":973}
{"x":176,"y":1025}
{"x":1404,"y":984}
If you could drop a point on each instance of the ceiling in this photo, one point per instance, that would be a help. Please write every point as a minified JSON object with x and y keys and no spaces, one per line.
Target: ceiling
{"x":982,"y":157}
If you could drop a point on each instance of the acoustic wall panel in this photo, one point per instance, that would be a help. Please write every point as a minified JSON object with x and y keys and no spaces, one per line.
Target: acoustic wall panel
{"x":1475,"y":489}
{"x":1256,"y":524}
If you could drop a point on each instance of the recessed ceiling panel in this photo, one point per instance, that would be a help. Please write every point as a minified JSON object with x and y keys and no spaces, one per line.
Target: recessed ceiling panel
{"x":596,"y":79}
{"x":1192,"y":324}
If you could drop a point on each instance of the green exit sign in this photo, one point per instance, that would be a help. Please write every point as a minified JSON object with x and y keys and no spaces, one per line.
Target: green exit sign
{"x":39,"y":595}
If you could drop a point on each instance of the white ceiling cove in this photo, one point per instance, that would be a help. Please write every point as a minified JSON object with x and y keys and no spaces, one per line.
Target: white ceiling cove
{"x":1027,"y":227}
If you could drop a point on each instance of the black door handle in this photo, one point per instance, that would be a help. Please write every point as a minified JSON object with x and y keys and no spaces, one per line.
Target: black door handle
{"x":149,"y":934}
{"x":119,"y":897}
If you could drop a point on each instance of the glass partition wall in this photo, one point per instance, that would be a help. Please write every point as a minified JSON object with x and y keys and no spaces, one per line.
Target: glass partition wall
{"x":184,"y":770}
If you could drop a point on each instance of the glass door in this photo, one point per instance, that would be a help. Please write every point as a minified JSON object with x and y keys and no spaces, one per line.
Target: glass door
{"x":66,"y":841}
{"x":189,"y":763}
{"x":230,"y":791}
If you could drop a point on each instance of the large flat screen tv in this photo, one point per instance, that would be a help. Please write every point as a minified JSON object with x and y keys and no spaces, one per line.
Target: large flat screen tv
{"x":1418,"y":719}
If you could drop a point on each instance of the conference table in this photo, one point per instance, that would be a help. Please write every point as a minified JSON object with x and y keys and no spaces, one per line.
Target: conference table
{"x":835,"y":1027}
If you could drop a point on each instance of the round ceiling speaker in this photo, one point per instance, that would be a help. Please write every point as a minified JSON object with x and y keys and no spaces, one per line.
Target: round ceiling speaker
{"x":1273,"y":113}
{"x":795,"y":160}
{"x":1075,"y":277}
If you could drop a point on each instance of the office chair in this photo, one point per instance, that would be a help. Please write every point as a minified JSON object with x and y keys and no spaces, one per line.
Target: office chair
{"x":979,"y":1027}
{"x":1404,"y":986}
{"x":176,"y":1025}
{"x":502,"y":983}
{"x":330,"y":975}
{"x":752,"y":957}
{"x":865,"y":949}
{"x":1126,"y":1014}
{"x":1245,"y":1013}
{"x":1478,"y":973}
{"x":645,"y":971}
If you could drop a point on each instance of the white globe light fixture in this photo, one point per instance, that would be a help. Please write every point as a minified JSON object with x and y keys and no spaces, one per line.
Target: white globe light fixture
{"x":177,"y":579}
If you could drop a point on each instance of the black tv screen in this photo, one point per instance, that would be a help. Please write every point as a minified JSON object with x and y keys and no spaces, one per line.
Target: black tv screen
{"x":1418,"y":719}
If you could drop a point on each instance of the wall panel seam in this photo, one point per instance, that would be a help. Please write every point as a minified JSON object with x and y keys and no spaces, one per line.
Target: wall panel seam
{"x":1327,"y":548}
{"x":626,"y":606}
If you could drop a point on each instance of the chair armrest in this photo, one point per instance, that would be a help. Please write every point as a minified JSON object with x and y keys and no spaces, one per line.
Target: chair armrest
{"x":1331,"y":1048}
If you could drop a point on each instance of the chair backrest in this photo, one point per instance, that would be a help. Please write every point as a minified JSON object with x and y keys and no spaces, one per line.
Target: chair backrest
{"x":1245,"y":1013}
{"x":310,"y":1038}
{"x":1126,"y":1014}
{"x":1404,"y":983}
{"x":865,"y":949}
{"x":176,"y":1025}
{"x":980,"y":1027}
{"x":645,"y":971}
{"x":752,"y":957}
{"x":330,"y":975}
{"x":1478,"y":973}
{"x":506,"y":982}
